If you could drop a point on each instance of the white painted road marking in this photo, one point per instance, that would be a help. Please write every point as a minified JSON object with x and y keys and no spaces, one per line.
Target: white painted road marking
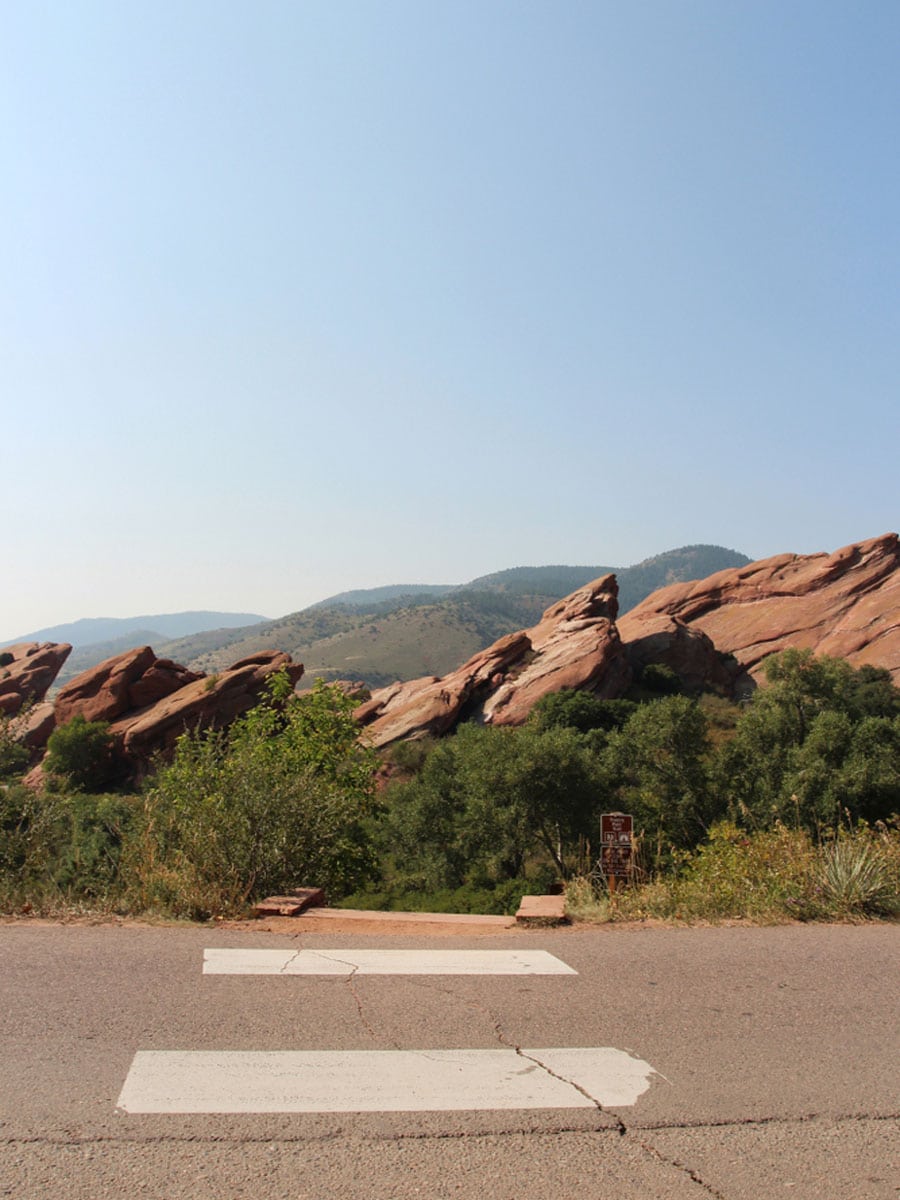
{"x":252,"y":1081}
{"x":382,"y":962}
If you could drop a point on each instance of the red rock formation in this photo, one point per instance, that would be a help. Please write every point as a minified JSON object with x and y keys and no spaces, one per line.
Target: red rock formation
{"x":433,"y":705}
{"x":575,"y":645}
{"x":116,"y":685}
{"x":845,"y":604}
{"x":659,"y":638}
{"x":32,"y":670}
{"x":37,"y":727}
{"x":150,"y":702}
{"x":207,"y":702}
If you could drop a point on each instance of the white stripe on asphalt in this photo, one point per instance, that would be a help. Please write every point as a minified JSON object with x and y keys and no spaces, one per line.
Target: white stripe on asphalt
{"x":253,"y":1081}
{"x":382,"y":962}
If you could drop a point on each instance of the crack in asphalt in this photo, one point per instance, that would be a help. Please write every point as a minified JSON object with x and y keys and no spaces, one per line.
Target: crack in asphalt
{"x":506,"y":1041}
{"x":560,"y":1128}
{"x":620,"y":1124}
{"x":293,"y":958}
{"x":677,"y":1165}
{"x":354,"y":992}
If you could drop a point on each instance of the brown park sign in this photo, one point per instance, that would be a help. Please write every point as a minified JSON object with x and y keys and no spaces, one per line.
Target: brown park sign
{"x":616,"y":831}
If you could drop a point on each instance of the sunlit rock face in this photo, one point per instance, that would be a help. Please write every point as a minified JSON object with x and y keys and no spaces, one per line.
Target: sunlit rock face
{"x":845,"y":604}
{"x":28,"y":669}
{"x":713,"y":633}
{"x":574,"y":645}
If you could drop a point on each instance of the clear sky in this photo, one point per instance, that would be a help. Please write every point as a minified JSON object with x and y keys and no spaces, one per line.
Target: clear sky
{"x":297,"y":297}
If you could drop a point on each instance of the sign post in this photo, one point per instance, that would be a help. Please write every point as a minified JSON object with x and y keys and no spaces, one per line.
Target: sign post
{"x":616,"y":847}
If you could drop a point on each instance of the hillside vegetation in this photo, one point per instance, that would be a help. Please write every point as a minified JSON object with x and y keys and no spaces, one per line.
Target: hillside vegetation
{"x":783,"y":808}
{"x":384,"y":634}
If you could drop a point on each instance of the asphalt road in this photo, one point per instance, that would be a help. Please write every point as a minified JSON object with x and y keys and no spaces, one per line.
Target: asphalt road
{"x":776,"y":1052}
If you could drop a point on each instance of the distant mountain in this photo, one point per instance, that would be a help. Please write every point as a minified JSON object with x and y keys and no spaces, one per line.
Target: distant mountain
{"x":92,"y":630}
{"x":364,"y":597}
{"x":381,"y":634}
{"x":95,"y":638}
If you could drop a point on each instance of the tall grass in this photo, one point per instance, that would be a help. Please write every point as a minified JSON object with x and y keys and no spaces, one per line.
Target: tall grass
{"x":770,"y":877}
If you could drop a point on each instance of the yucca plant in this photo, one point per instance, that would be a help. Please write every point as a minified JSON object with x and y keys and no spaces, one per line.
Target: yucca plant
{"x":856,"y":879}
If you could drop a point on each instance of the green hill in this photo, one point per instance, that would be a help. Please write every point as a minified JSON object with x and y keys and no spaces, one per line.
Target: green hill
{"x":382,"y":634}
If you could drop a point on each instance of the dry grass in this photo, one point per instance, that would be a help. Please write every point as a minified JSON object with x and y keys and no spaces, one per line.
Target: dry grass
{"x":768,"y":878}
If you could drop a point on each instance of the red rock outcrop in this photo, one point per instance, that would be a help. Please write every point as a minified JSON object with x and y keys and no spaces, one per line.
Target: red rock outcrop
{"x":37,"y":726}
{"x":435,"y":705}
{"x":121,"y":683}
{"x":845,"y":604}
{"x":659,"y":638}
{"x":575,"y":645}
{"x":29,"y":673}
{"x":211,"y":701}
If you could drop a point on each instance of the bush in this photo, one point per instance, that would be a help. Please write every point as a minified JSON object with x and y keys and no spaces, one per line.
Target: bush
{"x":57,"y":849}
{"x":14,"y":757}
{"x":775,"y":875}
{"x":570,"y":709}
{"x":282,"y":798}
{"x":856,"y":879}
{"x":79,"y":755}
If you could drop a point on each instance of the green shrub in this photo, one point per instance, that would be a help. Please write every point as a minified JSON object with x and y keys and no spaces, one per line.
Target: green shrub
{"x":661,"y":679}
{"x":281,"y":799}
{"x":80,"y":756}
{"x":571,"y":709}
{"x":60,"y":849}
{"x":774,"y":875}
{"x":91,"y":834}
{"x":14,"y":757}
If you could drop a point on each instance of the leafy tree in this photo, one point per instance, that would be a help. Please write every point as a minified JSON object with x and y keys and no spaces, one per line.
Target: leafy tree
{"x":815,"y":745}
{"x":282,"y":798}
{"x":657,"y":765}
{"x":487,"y":798}
{"x":572,"y":709}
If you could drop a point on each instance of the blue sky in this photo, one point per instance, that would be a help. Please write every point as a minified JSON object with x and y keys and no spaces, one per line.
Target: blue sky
{"x":297,"y":297}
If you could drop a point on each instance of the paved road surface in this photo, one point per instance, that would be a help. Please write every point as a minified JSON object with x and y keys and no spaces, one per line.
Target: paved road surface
{"x":775,"y":1057}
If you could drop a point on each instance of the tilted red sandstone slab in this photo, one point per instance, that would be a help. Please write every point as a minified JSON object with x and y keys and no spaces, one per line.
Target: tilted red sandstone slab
{"x":575,"y":645}
{"x":434,"y":705}
{"x":31,"y":671}
{"x":659,"y":638}
{"x":37,"y":726}
{"x":211,"y":701}
{"x":845,"y":604}
{"x":118,"y":684}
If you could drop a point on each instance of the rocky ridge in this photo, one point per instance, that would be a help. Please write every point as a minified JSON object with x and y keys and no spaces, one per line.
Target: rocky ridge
{"x":845,"y":604}
{"x":149,"y":702}
{"x":714,"y":633}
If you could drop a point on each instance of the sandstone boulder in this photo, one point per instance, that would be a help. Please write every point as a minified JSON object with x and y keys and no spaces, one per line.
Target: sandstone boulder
{"x":845,"y":604}
{"x":37,"y":726}
{"x":574,"y":645}
{"x":660,"y":638}
{"x":30,"y":671}
{"x":206,"y":702}
{"x":118,"y":684}
{"x":435,"y":705}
